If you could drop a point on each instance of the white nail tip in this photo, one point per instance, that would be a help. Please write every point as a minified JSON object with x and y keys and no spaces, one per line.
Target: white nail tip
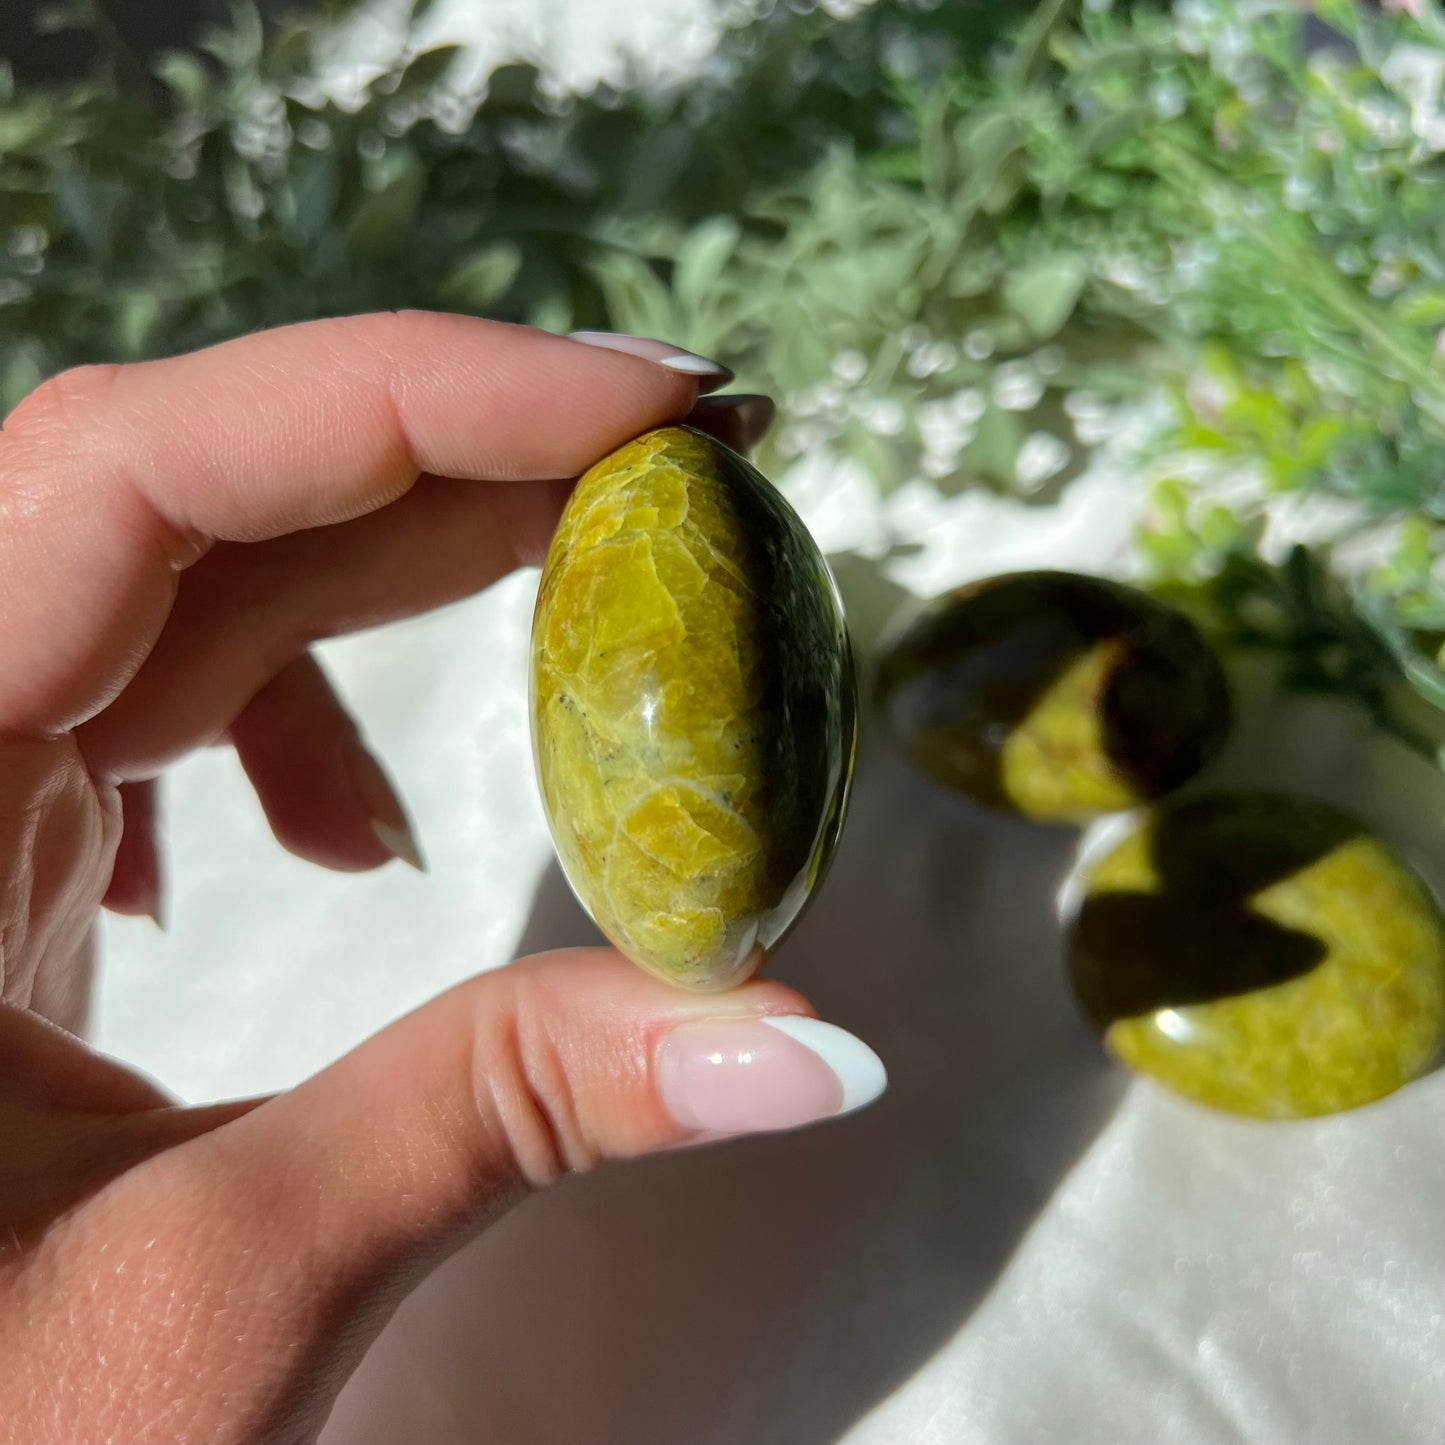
{"x":692,"y":365}
{"x":663,"y":353}
{"x":399,"y":843}
{"x":859,"y":1070}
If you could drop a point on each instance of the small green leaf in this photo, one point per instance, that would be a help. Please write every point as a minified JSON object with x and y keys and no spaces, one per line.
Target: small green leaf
{"x":18,"y":378}
{"x":702,"y":258}
{"x":482,"y":279}
{"x":313,"y":195}
{"x":637,"y":300}
{"x":985,"y":140}
{"x":974,"y":273}
{"x":1415,"y":549}
{"x":1043,"y":294}
{"x":657,"y":167}
{"x":553,"y":313}
{"x":138,"y":318}
{"x":994,"y":451}
{"x":894,"y":165}
{"x":876,"y":457}
{"x":64,"y":15}
{"x":1421,"y":308}
{"x":185,"y":75}
{"x":1102,"y":134}
{"x":90,"y":208}
{"x":24,"y":127}
{"x":379,"y":222}
{"x":238,"y":46}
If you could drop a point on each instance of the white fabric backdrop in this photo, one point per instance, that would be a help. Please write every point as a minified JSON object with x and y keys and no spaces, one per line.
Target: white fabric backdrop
{"x":1016,"y":1246}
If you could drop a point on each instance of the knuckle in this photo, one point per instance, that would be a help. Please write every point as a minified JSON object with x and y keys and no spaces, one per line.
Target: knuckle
{"x":528,"y":1089}
{"x":399,"y":333}
{"x":58,"y":403}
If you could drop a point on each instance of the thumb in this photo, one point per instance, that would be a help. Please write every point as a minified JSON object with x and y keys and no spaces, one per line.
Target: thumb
{"x":550,"y":1066}
{"x":317,"y":1209}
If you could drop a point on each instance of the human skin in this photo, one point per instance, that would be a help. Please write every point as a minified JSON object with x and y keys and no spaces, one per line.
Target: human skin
{"x":174,"y":536}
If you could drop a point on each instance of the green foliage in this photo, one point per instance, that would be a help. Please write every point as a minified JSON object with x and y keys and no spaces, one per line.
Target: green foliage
{"x":231,"y":194}
{"x":952,"y":239}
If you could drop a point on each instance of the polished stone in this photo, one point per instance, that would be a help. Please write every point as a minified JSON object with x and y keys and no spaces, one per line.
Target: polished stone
{"x":693,"y":707}
{"x":1262,"y":954}
{"x":1057,"y":696}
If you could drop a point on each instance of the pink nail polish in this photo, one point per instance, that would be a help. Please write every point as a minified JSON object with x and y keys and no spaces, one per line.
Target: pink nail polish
{"x":751,"y":1076}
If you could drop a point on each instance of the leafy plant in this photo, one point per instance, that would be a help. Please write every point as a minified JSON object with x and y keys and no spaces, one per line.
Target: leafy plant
{"x":953,"y":239}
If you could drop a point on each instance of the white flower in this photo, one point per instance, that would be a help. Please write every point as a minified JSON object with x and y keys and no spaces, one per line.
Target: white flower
{"x":1387,"y":280}
{"x":931,"y":358}
{"x":1385,"y":121}
{"x":943,"y":432}
{"x":1017,"y":386}
{"x":1168,"y":98}
{"x":978,"y":344}
{"x":1298,"y":192}
{"x":1092,"y":416}
{"x":1049,"y":360}
{"x":1125,"y":271}
{"x":1043,"y":455}
{"x":850,"y":367}
{"x":885,"y":417}
{"x":968,"y":405}
{"x":314,"y":134}
{"x":29,"y":240}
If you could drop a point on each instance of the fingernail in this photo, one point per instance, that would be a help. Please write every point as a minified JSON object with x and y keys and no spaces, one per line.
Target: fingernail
{"x":400,"y":843}
{"x":753,"y":1076}
{"x":389,"y":823}
{"x":148,"y":904}
{"x":712,"y":374}
{"x":754,"y":413}
{"x":151,"y":894}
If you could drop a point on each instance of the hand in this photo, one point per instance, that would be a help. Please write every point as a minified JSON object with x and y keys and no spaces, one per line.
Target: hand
{"x":173,"y":537}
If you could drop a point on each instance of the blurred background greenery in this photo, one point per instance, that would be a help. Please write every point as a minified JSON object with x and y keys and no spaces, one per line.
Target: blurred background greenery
{"x":958,"y":241}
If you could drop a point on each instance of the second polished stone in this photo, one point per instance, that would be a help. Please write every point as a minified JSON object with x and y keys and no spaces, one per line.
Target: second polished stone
{"x":1058,"y":696}
{"x":1263,"y":954}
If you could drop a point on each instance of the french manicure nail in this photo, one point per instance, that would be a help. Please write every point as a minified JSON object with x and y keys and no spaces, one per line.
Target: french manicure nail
{"x":149,"y":905}
{"x":751,"y":1076}
{"x":712,"y":373}
{"x":151,"y":900}
{"x":389,"y":823}
{"x":400,"y":843}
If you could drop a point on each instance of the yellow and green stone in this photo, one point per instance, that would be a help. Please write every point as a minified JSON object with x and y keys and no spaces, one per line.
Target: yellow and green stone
{"x":1262,"y":954}
{"x":693,"y":707}
{"x":1057,"y":696}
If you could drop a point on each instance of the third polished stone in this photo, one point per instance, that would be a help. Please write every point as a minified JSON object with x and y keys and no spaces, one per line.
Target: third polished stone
{"x":693,"y":707}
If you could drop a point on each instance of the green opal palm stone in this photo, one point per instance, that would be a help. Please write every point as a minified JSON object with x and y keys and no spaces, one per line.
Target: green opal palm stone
{"x":693,"y":707}
{"x":1262,"y":954}
{"x":1061,"y":697}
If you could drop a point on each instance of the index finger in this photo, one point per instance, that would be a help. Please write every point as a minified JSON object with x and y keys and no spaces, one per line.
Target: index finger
{"x":114,"y":479}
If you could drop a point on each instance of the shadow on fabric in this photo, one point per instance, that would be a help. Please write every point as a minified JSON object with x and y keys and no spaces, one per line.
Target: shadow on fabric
{"x":770,"y":1292}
